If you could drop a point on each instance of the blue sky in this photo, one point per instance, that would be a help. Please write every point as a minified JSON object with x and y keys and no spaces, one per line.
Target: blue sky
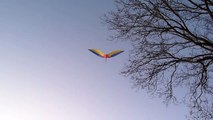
{"x":47,"y":72}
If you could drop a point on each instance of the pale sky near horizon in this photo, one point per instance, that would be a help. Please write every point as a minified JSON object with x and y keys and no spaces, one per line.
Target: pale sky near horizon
{"x":47,"y":72}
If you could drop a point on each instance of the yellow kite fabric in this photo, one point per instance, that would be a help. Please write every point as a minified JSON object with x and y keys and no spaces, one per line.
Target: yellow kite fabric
{"x":114,"y":53}
{"x":103,"y":55}
{"x":97,"y":52}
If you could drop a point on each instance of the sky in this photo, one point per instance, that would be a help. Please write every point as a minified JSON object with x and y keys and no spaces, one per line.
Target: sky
{"x":47,"y":72}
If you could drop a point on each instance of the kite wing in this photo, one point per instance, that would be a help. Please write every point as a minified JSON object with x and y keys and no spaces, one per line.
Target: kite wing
{"x":97,"y":52}
{"x":114,"y":53}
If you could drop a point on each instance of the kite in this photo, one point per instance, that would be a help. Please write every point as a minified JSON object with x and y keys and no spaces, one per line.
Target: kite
{"x":103,"y":55}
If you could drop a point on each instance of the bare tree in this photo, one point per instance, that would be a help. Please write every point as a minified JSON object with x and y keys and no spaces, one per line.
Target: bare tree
{"x":172,"y":49}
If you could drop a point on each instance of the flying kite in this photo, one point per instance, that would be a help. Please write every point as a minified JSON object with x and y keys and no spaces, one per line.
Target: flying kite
{"x":103,"y":55}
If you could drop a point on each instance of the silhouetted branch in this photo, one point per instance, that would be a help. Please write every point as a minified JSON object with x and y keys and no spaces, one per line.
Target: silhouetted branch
{"x":173,"y":48}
